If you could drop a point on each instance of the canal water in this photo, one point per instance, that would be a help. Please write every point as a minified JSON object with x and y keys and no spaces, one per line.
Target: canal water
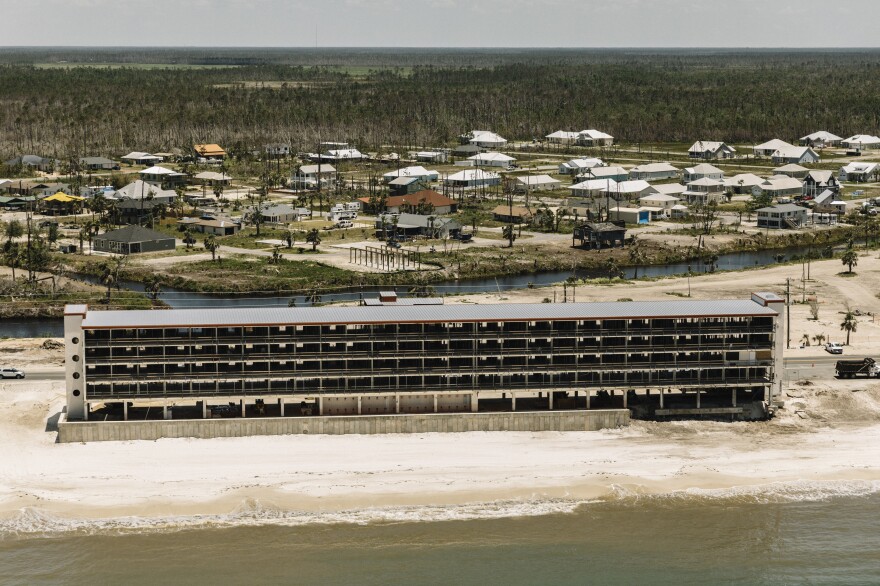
{"x":178,"y":299}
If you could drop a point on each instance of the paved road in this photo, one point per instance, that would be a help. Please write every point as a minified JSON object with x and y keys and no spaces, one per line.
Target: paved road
{"x":39,"y":374}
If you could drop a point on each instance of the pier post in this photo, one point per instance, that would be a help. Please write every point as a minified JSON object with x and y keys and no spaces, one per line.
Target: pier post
{"x":698,"y":398}
{"x":125,"y":410}
{"x":588,"y":398}
{"x":513,"y":401}
{"x":204,"y":409}
{"x":435,"y":402}
{"x":243,"y":408}
{"x":475,"y":402}
{"x":733,"y":396}
{"x":550,"y":400}
{"x":281,"y":405}
{"x":320,"y":406}
{"x":625,"y":398}
{"x":662,"y":392}
{"x":359,"y":404}
{"x":397,"y":402}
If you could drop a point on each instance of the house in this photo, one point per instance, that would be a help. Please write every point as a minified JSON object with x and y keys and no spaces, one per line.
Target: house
{"x":562,"y":137}
{"x":138,"y":211}
{"x":594,"y":138}
{"x":512,"y":214}
{"x":659,"y":204}
{"x":132,"y":240}
{"x":308,"y":176}
{"x":277,"y":150}
{"x":598,"y":235}
{"x":791,"y":170}
{"x":472,"y":178}
{"x":703,"y":171}
{"x":527,"y":183}
{"x":466,"y":150}
{"x":348,"y":154}
{"x":706,"y":149}
{"x":486,"y":139}
{"x":629,"y":190}
{"x":768,"y":148}
{"x":283,"y":213}
{"x":418,"y":172}
{"x":786,"y":215}
{"x":704,"y":191}
{"x":97,"y":163}
{"x":592,"y":187}
{"x":141,"y":189}
{"x":613,"y":173}
{"x":670,"y":188}
{"x":212,"y":178}
{"x":628,"y":215}
{"x":818,"y":181}
{"x":798,"y":155}
{"x":61,"y":204}
{"x":579,"y":207}
{"x":742,"y":183}
{"x":654,"y":172}
{"x":825,"y":198}
{"x":404,"y":185}
{"x":779,"y":186}
{"x":409,"y":225}
{"x":210,"y":151}
{"x":424,"y":203}
{"x":578,"y":166}
{"x":859,"y":172}
{"x":162,"y":177}
{"x":493,"y":159}
{"x":139,"y":158}
{"x":215,"y":226}
{"x":33,"y":161}
{"x":37,"y":188}
{"x":861,"y":142}
{"x":16,"y":202}
{"x":821,"y":139}
{"x":431,"y":156}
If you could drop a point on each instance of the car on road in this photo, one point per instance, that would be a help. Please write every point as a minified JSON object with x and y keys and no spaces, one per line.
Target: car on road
{"x":833,"y":348}
{"x":11,"y":373}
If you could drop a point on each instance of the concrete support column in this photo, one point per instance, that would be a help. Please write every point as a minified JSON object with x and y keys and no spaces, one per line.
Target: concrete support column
{"x":86,"y":411}
{"x":166,"y":414}
{"x":698,"y":398}
{"x":243,"y":408}
{"x":625,"y":398}
{"x":475,"y":402}
{"x":435,"y":402}
{"x":662,"y":392}
{"x":550,"y":400}
{"x":588,"y":398}
{"x":125,"y":410}
{"x":396,"y":403}
{"x":281,"y":406}
{"x":359,"y":404}
{"x":204,"y":409}
{"x":513,"y":401}
{"x":320,"y":406}
{"x":733,"y":397}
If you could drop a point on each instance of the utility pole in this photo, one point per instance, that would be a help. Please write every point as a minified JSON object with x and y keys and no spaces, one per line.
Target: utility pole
{"x":788,"y":312}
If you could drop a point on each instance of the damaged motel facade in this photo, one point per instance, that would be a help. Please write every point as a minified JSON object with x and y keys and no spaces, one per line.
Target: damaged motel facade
{"x":409,"y":368}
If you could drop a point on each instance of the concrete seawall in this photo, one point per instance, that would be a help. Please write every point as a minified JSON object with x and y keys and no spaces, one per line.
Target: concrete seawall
{"x":93,"y":431}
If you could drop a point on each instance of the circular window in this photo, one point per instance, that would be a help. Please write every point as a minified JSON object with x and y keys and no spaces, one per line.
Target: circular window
{"x":76,"y":392}
{"x":75,"y":375}
{"x":75,"y":340}
{"x":75,"y":357}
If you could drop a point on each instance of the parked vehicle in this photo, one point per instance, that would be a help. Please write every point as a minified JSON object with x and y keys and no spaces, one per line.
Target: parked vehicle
{"x":344,"y":224}
{"x":851,"y":368}
{"x":11,"y":373}
{"x":833,"y":348}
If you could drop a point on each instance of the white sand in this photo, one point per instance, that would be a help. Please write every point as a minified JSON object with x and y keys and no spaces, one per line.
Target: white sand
{"x":837,"y":442}
{"x":827,"y":435}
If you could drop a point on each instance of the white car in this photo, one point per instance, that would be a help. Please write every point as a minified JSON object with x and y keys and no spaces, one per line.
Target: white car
{"x":11,"y":373}
{"x":833,"y":348}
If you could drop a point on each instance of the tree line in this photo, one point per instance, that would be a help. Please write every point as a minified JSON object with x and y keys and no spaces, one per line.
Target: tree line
{"x":671,"y":97}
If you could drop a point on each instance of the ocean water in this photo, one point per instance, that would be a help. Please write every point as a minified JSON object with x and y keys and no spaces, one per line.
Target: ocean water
{"x":793,"y":534}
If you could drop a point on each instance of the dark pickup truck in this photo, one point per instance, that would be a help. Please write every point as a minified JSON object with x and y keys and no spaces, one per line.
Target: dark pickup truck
{"x":851,"y":368}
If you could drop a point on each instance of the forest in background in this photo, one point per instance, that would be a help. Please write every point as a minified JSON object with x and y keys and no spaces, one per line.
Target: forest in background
{"x":52,"y":103}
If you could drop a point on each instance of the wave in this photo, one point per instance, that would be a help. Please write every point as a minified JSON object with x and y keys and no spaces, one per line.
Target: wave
{"x":37,"y":523}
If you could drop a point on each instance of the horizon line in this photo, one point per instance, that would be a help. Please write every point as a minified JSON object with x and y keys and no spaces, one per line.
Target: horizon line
{"x":462,"y":47}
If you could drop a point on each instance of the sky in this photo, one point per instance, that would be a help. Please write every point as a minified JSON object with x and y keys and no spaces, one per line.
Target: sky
{"x":441,"y":23}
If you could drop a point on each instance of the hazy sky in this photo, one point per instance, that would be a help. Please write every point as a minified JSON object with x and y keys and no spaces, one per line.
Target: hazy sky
{"x":443,"y":23}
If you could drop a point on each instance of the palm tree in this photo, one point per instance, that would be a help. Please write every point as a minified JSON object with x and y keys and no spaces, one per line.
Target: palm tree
{"x":152,"y":287}
{"x":850,"y":257}
{"x":849,"y":324}
{"x":313,"y":238}
{"x":211,"y":245}
{"x":805,"y":340}
{"x":819,"y":339}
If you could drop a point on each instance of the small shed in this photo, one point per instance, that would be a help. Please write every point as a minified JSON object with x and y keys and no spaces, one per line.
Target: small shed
{"x":599,"y":235}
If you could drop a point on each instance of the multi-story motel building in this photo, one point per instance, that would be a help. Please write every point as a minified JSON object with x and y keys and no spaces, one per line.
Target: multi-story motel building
{"x":421,"y":358}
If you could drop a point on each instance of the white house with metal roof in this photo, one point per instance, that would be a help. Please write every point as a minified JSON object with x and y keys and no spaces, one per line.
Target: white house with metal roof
{"x":578,"y":166}
{"x":492,"y":159}
{"x":562,"y":137}
{"x":416,"y":171}
{"x":654,"y":171}
{"x":701,"y":171}
{"x":710,"y":149}
{"x":799,"y":155}
{"x":593,"y":138}
{"x":472,"y":178}
{"x":768,"y":148}
{"x":821,"y":139}
{"x":487,"y":139}
{"x":861,"y":142}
